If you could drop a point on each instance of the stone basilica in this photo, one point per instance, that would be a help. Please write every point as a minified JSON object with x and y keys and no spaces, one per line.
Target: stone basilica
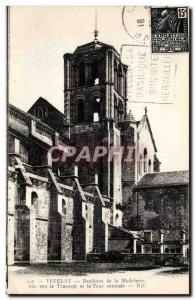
{"x":66,"y":211}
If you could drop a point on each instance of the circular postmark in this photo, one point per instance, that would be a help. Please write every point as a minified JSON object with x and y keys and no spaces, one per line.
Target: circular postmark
{"x":136,"y":21}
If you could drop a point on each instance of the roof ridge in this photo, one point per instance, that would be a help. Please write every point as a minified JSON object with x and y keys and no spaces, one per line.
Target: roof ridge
{"x":45,"y":100}
{"x":159,"y":179}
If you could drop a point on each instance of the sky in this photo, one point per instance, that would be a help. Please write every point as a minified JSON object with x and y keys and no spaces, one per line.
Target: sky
{"x":38,"y":39}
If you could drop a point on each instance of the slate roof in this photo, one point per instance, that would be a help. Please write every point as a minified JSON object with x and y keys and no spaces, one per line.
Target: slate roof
{"x":55,"y":118}
{"x":120,"y":232}
{"x":118,"y":245}
{"x":169,"y":235}
{"x":174,"y":178}
{"x":43,"y":101}
{"x":172,"y":235}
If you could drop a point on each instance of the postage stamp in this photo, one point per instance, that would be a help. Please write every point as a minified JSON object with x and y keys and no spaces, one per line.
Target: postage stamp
{"x":169,"y":29}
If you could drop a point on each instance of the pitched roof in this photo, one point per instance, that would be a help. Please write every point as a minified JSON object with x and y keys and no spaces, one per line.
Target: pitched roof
{"x":118,"y":245}
{"x":120,"y":232}
{"x":174,"y":178}
{"x":53,"y":117}
{"x":42,"y":100}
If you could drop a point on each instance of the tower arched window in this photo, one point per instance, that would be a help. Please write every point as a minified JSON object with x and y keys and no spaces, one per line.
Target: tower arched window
{"x":95,"y":117}
{"x":80,"y":111}
{"x":96,"y":109}
{"x":95,"y":72}
{"x":81,"y":74}
{"x":64,"y":207}
{"x":145,"y":160}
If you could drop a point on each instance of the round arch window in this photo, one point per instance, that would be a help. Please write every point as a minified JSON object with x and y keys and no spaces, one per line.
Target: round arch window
{"x":145,"y":160}
{"x":34,"y":198}
{"x":96,"y":109}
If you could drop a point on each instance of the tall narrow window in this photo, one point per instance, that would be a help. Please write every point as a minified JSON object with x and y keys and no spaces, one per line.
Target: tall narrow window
{"x":115,"y":109}
{"x":117,"y":218}
{"x":95,"y":117}
{"x":40,"y":112}
{"x":120,"y":111}
{"x":96,"y":109}
{"x":34,"y":201}
{"x":95,"y":72}
{"x":148,"y":236}
{"x":149,"y":166}
{"x":120,"y":80}
{"x":34,"y":198}
{"x":64,"y":207}
{"x":86,"y":212}
{"x":145,"y":160}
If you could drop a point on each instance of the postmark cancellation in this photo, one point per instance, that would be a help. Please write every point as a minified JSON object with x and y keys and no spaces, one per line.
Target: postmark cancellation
{"x":170,"y":29}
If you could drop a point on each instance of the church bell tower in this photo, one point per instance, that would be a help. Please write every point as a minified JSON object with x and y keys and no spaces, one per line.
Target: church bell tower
{"x":95,"y":84}
{"x":95,"y":96}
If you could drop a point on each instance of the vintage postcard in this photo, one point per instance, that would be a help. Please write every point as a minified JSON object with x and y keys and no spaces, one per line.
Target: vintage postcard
{"x":98,"y":194}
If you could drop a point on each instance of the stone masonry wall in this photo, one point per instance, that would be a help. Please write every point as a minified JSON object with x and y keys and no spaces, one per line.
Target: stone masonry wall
{"x":101,"y":220}
{"x":164,"y":208}
{"x":22,"y":233}
{"x":79,"y":230}
{"x":12,"y":200}
{"x":60,"y":227}
{"x":39,"y":211}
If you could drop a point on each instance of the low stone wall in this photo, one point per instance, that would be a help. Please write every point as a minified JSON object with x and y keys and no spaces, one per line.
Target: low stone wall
{"x":141,"y":260}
